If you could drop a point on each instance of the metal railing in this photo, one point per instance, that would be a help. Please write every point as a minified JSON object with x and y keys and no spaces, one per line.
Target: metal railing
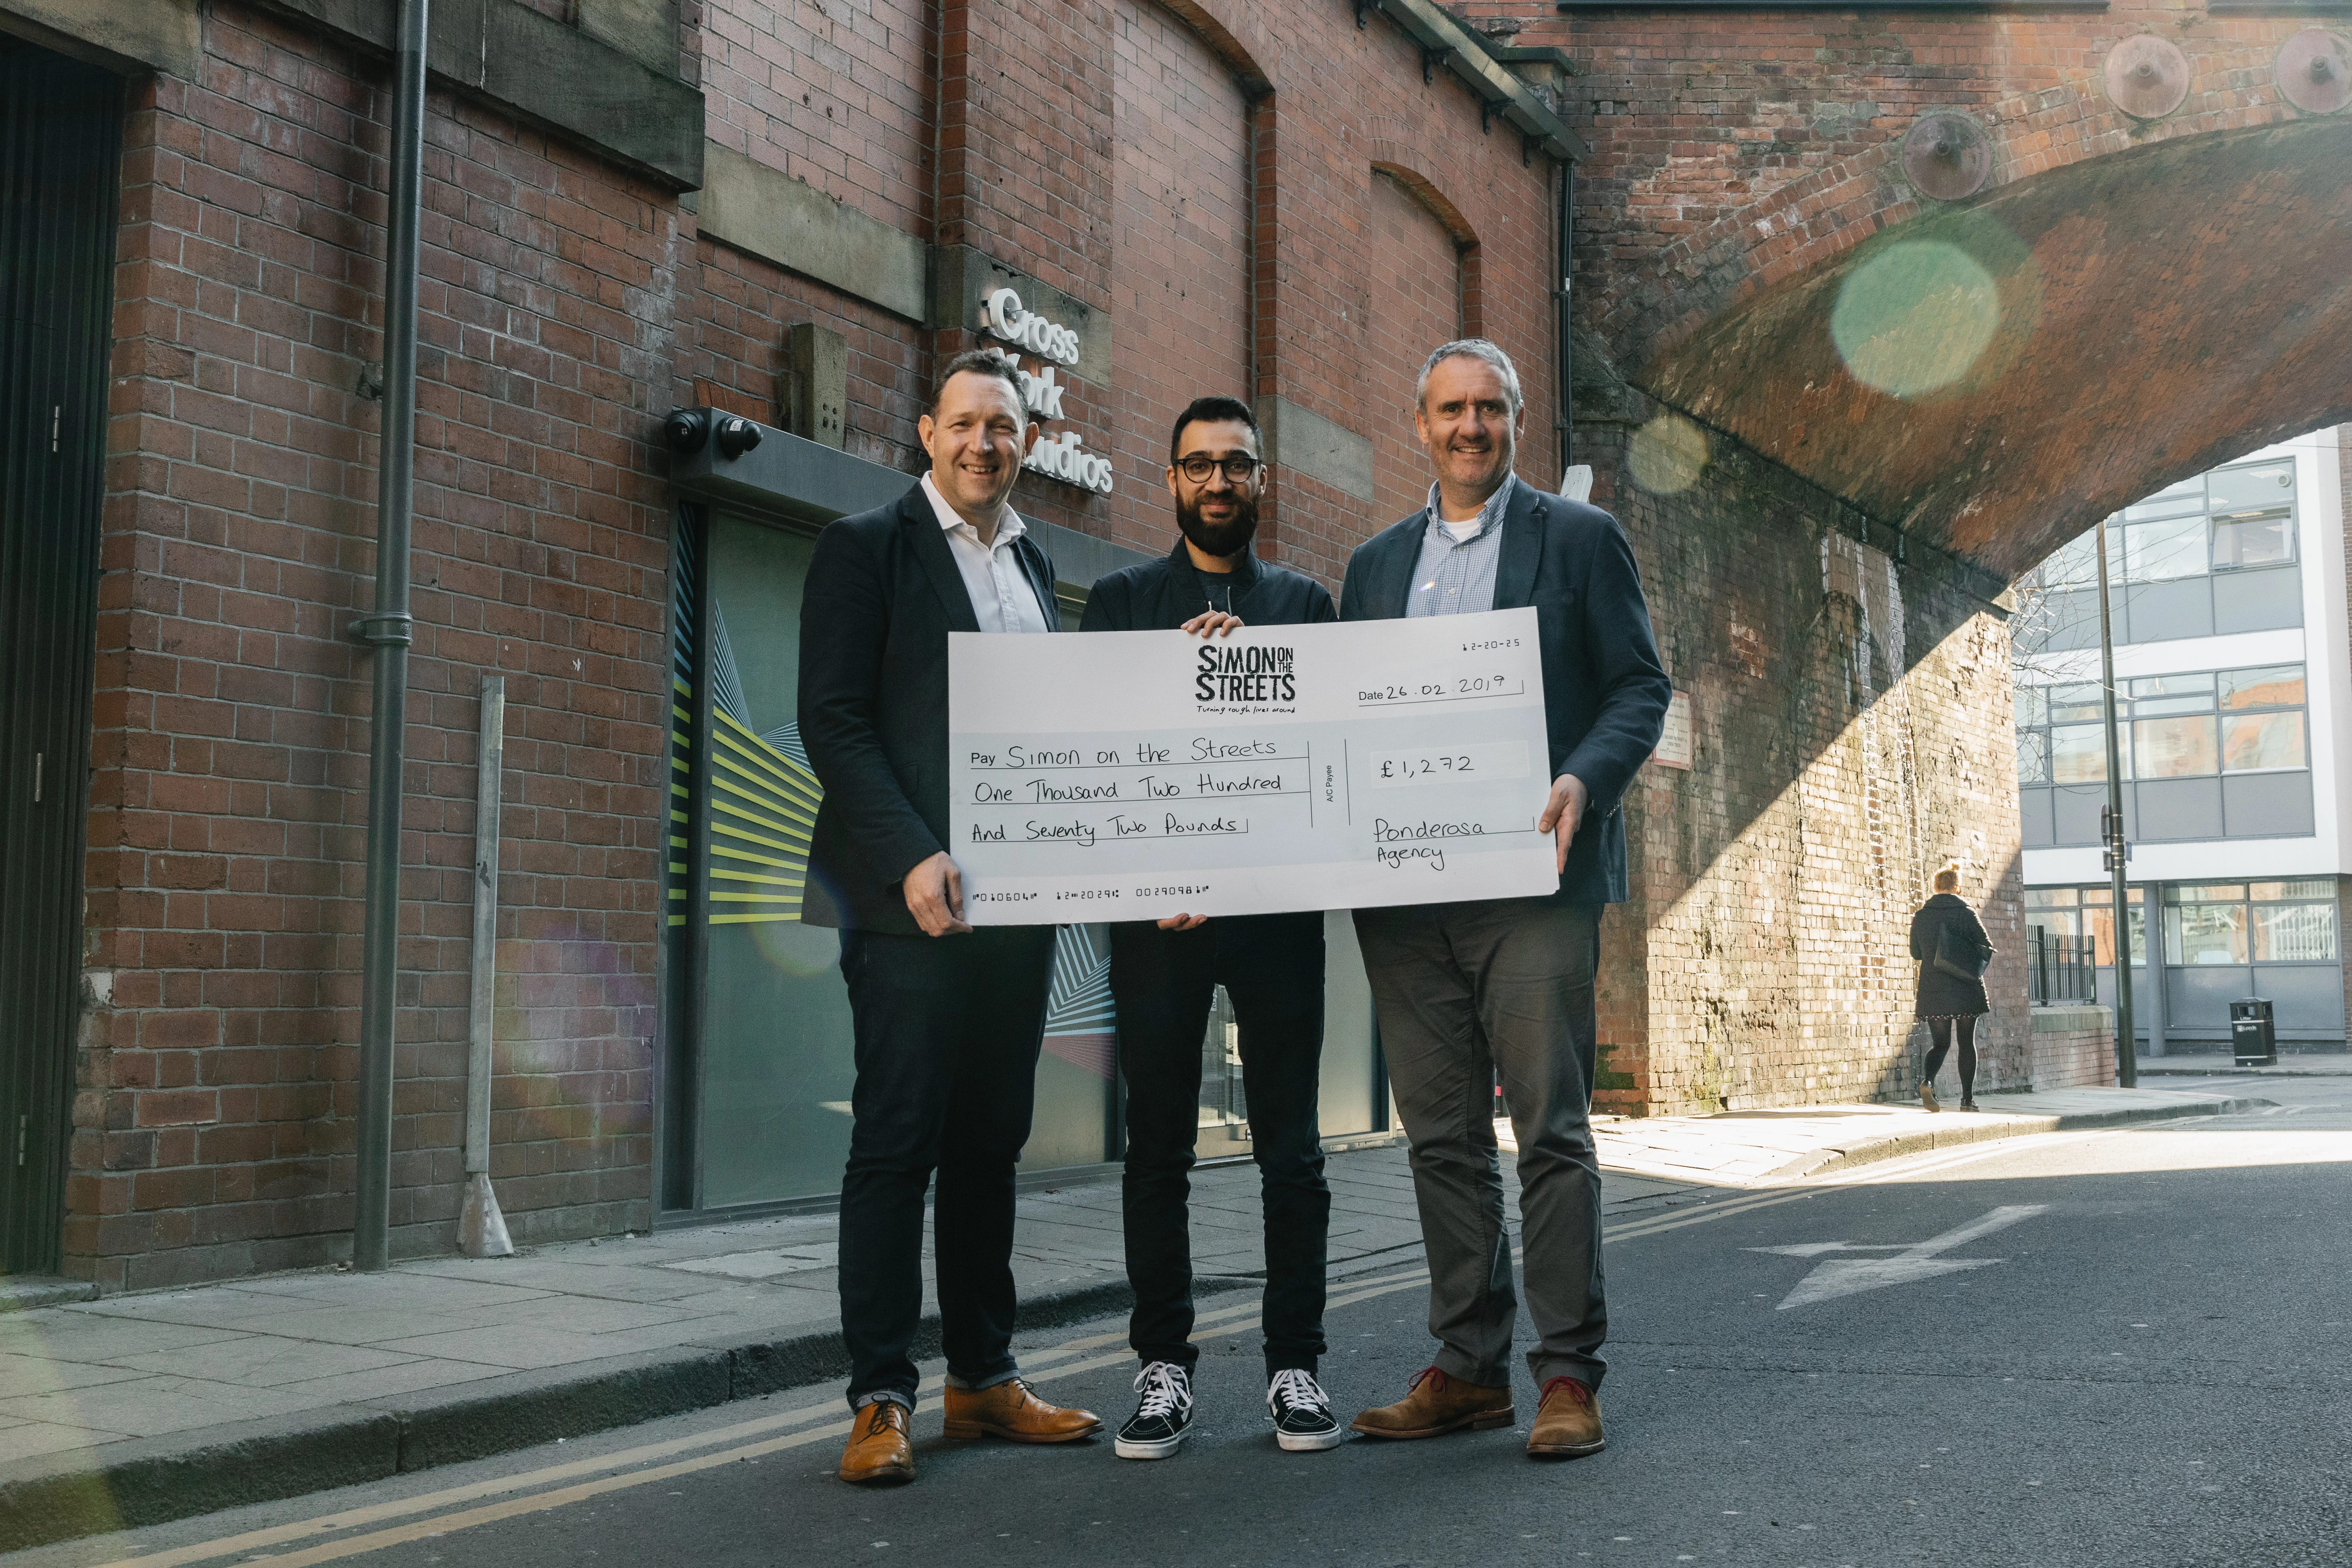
{"x":2059,"y":969}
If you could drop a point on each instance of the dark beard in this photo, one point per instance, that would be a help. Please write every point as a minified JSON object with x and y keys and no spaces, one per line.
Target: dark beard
{"x":1220,"y":539}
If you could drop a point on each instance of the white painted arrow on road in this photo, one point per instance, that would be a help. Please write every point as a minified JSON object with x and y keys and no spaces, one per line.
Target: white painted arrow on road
{"x":1918,"y":1260}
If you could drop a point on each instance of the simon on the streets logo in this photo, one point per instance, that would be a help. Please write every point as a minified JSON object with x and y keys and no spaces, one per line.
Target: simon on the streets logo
{"x":1246,"y":674}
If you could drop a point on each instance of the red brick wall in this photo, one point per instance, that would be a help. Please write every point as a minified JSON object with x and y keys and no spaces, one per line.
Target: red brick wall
{"x":1852,"y":729}
{"x":565,"y":308}
{"x":840,"y":95}
{"x":1416,"y":304}
{"x":734,"y":341}
{"x":2074,"y":1048}
{"x":1179,"y":271}
{"x":213,"y":1130}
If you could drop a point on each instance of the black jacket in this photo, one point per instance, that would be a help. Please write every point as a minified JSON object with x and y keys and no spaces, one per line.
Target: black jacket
{"x":1605,"y":691}
{"x":1161,"y":595}
{"x":1943,"y":995}
{"x":883,"y":594}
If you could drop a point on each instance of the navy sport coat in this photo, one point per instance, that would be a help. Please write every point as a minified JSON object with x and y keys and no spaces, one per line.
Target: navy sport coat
{"x":883,"y":594}
{"x":1605,"y":690}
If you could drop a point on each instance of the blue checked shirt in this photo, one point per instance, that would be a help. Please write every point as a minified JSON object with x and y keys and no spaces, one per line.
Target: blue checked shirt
{"x":1453,"y":579}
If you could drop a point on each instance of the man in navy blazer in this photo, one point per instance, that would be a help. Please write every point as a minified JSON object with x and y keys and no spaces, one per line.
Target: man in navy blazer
{"x":1467,"y":990}
{"x":947,"y":1019}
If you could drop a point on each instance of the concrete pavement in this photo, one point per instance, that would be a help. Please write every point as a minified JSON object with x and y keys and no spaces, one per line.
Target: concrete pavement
{"x":2299,"y":1064}
{"x":145,"y":1407}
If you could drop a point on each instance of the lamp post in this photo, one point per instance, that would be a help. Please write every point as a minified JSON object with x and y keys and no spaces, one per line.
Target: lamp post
{"x":2127,"y":1056}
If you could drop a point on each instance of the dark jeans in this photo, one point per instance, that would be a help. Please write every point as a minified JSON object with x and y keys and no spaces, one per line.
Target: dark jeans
{"x":1939,"y":1033}
{"x":1272,"y":968}
{"x":948,"y":1030}
{"x":1465,"y":991}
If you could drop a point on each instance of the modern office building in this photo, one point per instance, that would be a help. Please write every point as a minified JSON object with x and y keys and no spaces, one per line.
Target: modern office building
{"x":2227,"y":595}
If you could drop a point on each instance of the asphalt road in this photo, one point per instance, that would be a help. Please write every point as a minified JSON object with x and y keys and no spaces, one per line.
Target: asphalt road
{"x":2128,"y":1347}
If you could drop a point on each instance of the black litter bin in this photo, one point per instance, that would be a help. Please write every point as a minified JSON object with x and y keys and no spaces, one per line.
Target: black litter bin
{"x":2253,"y":1040}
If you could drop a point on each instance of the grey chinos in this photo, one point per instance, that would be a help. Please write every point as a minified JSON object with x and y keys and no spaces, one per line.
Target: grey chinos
{"x":1464,"y":989}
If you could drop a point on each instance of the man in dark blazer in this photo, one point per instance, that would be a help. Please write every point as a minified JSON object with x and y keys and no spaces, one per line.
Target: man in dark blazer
{"x":1163,"y":975}
{"x":947,"y":1019}
{"x":1464,"y":990}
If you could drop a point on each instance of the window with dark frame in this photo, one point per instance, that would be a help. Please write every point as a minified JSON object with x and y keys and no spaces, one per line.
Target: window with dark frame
{"x":2189,"y":725}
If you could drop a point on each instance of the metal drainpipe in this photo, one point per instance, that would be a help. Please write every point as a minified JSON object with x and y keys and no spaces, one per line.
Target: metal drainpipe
{"x":1565,"y":350}
{"x":388,"y":632}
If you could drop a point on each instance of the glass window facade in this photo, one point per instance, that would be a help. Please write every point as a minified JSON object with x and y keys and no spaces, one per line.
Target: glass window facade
{"x":2230,"y":519}
{"x":2257,"y":922}
{"x":2221,"y":942}
{"x":2213,"y":554}
{"x":758,"y":1063}
{"x":2174,"y":726}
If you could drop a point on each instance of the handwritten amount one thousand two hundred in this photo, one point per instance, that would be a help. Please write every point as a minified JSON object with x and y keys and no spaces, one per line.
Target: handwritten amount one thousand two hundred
{"x":1135,"y":775}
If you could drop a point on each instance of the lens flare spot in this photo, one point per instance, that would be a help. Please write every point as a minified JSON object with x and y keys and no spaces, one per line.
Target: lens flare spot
{"x":1667,"y":455}
{"x":1914,"y":317}
{"x":797,"y":949}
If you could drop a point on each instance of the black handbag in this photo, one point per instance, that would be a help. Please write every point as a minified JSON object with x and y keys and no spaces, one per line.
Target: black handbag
{"x":1960,"y":956}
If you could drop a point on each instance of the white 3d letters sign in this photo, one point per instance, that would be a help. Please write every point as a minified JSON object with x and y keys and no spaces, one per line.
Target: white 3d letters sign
{"x":1057,"y":456}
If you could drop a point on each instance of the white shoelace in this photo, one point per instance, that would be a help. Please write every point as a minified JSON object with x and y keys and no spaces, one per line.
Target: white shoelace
{"x":1165,"y":1388}
{"x":1299,"y":1387}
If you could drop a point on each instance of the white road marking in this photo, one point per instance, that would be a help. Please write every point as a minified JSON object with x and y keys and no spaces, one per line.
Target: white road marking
{"x":1919,"y":1260}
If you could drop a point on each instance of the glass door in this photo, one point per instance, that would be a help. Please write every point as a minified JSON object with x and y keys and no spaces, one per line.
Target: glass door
{"x":760,"y":1064}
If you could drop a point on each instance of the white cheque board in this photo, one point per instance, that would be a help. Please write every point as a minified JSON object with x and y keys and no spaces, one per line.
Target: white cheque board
{"x":1134,"y":775}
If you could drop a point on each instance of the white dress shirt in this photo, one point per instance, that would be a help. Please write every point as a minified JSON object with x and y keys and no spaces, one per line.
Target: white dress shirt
{"x":1001,"y":598}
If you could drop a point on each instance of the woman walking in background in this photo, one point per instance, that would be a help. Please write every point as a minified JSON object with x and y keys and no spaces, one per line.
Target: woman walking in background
{"x":1950,"y":944}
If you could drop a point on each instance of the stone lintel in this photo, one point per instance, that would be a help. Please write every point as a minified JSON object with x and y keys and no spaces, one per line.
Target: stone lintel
{"x":119,"y":35}
{"x":1305,"y":442}
{"x":769,"y":214}
{"x":512,"y":57}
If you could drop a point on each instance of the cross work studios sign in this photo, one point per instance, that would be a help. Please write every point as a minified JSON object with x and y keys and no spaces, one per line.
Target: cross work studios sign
{"x":1056,"y":348}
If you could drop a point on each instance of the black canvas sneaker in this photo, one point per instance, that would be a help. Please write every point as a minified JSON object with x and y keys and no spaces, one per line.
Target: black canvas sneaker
{"x":1158,"y":1426}
{"x":1302,"y":1413}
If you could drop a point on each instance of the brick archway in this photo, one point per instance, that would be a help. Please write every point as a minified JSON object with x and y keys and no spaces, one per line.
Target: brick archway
{"x":2160,"y":301}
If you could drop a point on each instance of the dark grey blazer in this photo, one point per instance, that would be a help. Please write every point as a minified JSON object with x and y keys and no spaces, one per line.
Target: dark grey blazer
{"x":1605,"y":690}
{"x":883,"y":594}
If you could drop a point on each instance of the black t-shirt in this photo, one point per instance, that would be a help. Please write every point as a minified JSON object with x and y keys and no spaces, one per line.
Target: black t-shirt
{"x":1161,"y":595}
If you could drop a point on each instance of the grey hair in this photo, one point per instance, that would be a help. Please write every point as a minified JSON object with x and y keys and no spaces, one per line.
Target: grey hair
{"x":1471,"y":348}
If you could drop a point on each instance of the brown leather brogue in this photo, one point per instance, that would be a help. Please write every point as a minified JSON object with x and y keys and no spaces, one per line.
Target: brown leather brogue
{"x":1009,"y":1411}
{"x":1435,"y":1404}
{"x":1568,"y":1422}
{"x":878,"y":1453}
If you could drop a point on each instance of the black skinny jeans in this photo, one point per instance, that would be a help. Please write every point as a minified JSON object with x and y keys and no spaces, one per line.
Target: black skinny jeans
{"x":1272,"y":968}
{"x":1939,"y":1033}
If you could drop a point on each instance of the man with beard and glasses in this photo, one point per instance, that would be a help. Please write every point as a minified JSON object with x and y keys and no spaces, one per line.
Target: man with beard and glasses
{"x":1163,"y":975}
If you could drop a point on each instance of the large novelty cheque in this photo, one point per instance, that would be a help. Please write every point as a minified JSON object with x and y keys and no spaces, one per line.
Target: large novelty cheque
{"x":1134,"y":775}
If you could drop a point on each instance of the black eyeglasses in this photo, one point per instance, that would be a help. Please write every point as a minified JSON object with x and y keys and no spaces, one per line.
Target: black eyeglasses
{"x":1198,"y":467}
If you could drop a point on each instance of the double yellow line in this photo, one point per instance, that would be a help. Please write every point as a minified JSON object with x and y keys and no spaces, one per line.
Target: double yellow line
{"x":559,"y":1486}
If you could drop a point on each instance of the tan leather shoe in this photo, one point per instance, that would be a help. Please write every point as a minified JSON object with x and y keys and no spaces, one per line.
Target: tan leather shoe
{"x":878,"y":1453}
{"x":1008,"y":1410}
{"x":1568,"y":1422}
{"x":1435,"y":1404}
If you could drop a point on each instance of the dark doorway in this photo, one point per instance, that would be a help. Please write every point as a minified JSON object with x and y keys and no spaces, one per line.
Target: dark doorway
{"x":60,"y":125}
